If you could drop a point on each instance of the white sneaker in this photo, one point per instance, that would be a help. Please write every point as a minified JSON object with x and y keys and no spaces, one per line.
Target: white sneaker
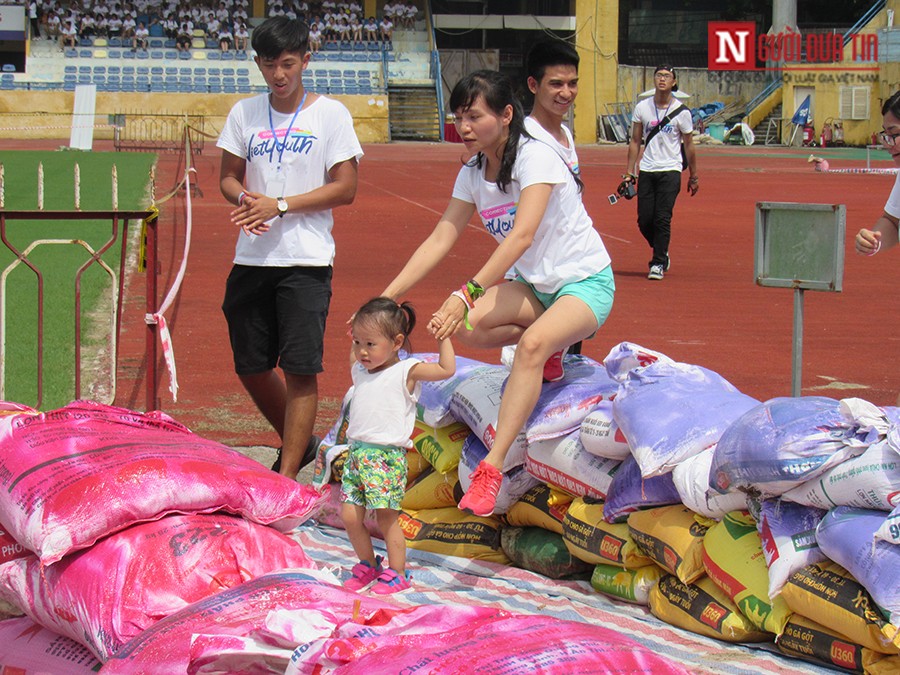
{"x":656,"y":272}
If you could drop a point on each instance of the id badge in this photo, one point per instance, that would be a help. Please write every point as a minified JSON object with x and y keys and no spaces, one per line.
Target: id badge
{"x":275,"y":186}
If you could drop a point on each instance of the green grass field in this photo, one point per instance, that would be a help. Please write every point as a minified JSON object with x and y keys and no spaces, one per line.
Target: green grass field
{"x":59,"y":264}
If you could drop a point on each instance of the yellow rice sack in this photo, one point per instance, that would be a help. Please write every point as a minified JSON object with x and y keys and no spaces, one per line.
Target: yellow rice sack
{"x":593,"y":540}
{"x":671,"y":536}
{"x":430,"y":490}
{"x":839,"y":602}
{"x":628,"y":585}
{"x":886,"y":665}
{"x":734,"y":559}
{"x":806,"y":639}
{"x":542,"y":506}
{"x":416,"y":465}
{"x":450,"y":531}
{"x":441,"y":447}
{"x":702,"y":608}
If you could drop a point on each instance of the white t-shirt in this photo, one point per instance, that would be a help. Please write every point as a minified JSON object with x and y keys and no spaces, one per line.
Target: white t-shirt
{"x":533,"y":127}
{"x":322,"y":136}
{"x":892,"y":208}
{"x":383,"y":410}
{"x":663,"y":153}
{"x":566,"y":247}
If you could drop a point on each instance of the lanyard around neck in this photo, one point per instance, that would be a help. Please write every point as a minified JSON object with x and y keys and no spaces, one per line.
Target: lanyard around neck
{"x":290,"y":126}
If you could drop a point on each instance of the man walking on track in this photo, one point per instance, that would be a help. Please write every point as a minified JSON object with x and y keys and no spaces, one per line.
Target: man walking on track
{"x":662,"y":124}
{"x":289,"y":157}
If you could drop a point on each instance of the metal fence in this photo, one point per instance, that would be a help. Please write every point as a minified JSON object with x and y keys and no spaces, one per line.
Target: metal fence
{"x":146,"y":132}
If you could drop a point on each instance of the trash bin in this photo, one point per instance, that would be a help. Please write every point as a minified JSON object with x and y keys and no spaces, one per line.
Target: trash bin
{"x":716,"y":130}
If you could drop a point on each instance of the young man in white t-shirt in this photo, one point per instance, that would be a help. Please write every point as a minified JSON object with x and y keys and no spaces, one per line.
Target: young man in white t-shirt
{"x":288,"y":158}
{"x":552,"y":68}
{"x":661,"y":164}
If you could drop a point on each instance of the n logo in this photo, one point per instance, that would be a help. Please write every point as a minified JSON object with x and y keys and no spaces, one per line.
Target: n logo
{"x":731,"y":45}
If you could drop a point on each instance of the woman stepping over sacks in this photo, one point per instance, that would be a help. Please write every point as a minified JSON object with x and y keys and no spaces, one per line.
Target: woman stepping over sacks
{"x":530,"y":202}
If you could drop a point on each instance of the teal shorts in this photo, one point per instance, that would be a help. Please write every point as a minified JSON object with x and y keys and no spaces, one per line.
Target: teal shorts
{"x":374,"y":476}
{"x":596,"y":291}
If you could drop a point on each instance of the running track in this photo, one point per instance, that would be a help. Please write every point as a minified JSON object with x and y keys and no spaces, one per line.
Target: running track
{"x":708,"y":311}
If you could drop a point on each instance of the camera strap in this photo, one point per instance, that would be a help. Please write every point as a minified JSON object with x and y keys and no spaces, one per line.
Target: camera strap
{"x":663,"y":122}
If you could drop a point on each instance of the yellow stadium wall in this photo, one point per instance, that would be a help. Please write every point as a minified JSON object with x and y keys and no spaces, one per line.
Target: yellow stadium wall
{"x":370,"y":113}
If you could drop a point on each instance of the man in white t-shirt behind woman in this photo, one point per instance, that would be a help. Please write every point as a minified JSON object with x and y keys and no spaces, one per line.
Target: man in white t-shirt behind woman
{"x":661,"y":165}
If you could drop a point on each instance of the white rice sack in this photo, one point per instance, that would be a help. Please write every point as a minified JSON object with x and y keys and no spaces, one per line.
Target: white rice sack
{"x":870,"y":481}
{"x":691,"y":479}
{"x":671,"y":411}
{"x":563,"y":405}
{"x":785,"y":441}
{"x":516,"y":481}
{"x":565,"y":464}
{"x":626,"y":356}
{"x":788,"y":535}
{"x":889,"y":530}
{"x":600,"y":434}
{"x":433,"y":407}
{"x":845,"y":535}
{"x":476,"y":402}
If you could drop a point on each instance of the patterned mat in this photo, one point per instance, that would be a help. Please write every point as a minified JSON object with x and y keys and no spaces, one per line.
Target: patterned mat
{"x":441,"y":579}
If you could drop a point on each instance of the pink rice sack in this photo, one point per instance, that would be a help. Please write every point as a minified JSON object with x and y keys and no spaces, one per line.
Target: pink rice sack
{"x":110,"y":593}
{"x":71,"y":476}
{"x":505,"y":644}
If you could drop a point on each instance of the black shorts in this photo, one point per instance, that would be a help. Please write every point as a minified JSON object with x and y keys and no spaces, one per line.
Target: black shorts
{"x":276,"y":317}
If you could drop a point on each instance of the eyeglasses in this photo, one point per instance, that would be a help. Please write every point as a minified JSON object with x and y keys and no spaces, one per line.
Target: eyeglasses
{"x":888,"y":139}
{"x":664,"y":76}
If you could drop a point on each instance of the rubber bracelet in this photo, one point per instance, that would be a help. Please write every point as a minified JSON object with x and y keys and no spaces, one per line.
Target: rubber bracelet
{"x":462,"y":296}
{"x":877,"y":247}
{"x":241,"y":198}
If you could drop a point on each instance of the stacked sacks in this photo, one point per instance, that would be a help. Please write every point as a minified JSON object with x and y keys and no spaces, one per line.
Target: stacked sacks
{"x":105,"y":498}
{"x":637,"y":475}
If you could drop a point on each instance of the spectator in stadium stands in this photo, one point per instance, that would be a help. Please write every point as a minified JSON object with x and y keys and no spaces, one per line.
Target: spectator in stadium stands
{"x":386,"y":27}
{"x":371,"y":29}
{"x":212,"y":26}
{"x":315,"y":37}
{"x":34,"y":20}
{"x":241,"y":35}
{"x":68,"y":36}
{"x":342,"y":29}
{"x":141,"y":38}
{"x":170,"y":26}
{"x":410,"y":12}
{"x":356,"y":29}
{"x":128,"y":27}
{"x":53,"y":26}
{"x":222,"y":13}
{"x":88,"y":26}
{"x":114,"y":26}
{"x":226,"y":38}
{"x":185,"y":36}
{"x":101,"y":26}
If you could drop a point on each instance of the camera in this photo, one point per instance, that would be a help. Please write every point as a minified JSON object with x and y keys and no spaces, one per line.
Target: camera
{"x":627,"y":189}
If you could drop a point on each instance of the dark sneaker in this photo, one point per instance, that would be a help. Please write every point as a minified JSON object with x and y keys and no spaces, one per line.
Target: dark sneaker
{"x":656,"y":272}
{"x":482,"y":493}
{"x":309,"y":455}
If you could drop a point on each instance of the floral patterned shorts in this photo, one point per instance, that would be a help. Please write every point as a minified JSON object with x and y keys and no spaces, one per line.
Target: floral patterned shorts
{"x":374,"y":476}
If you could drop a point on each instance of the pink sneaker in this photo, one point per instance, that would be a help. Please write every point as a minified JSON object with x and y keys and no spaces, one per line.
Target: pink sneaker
{"x":482,"y":493}
{"x":363,"y":574}
{"x":553,"y":368}
{"x":390,"y":582}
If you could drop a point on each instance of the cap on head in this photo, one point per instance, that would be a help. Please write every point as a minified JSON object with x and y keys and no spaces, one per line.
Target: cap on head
{"x":667,"y":68}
